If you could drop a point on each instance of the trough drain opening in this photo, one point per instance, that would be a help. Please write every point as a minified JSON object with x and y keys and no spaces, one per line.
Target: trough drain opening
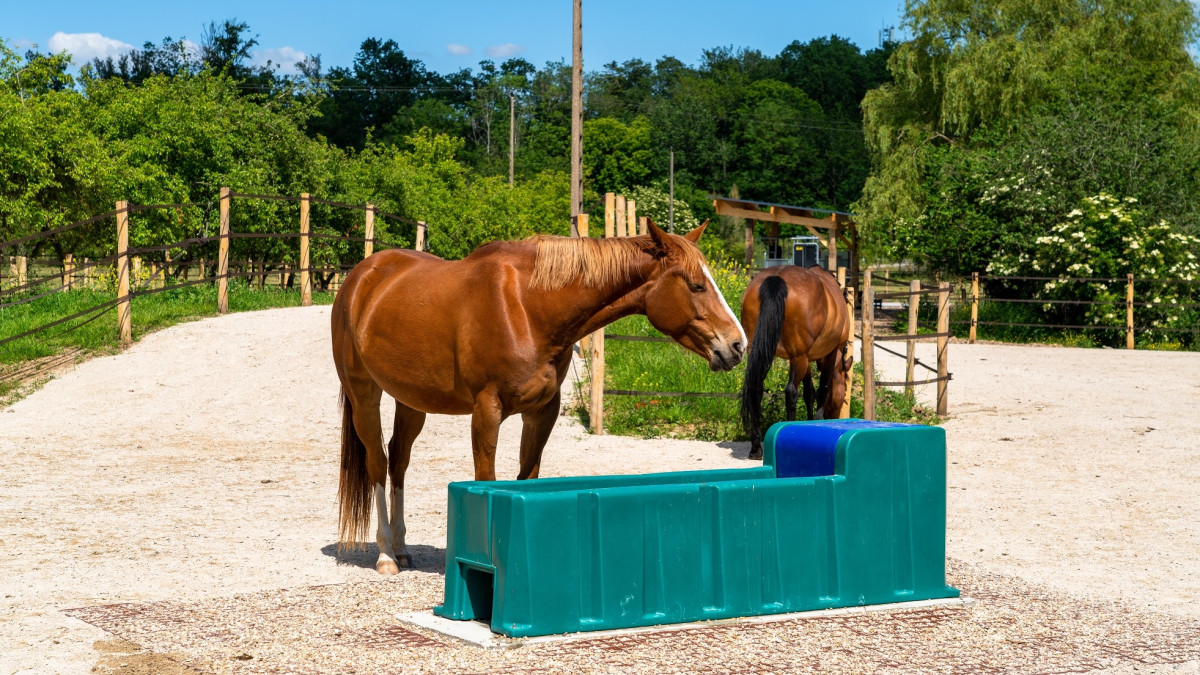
{"x":480,"y":591}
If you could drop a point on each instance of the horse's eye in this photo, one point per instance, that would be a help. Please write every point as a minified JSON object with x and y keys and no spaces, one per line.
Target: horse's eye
{"x":696,"y":288}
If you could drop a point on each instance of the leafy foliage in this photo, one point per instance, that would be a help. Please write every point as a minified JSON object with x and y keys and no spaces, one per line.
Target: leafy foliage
{"x":1107,"y":238}
{"x":1003,"y":114}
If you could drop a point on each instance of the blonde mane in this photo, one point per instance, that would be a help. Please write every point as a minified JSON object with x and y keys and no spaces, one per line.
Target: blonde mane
{"x":597,"y":263}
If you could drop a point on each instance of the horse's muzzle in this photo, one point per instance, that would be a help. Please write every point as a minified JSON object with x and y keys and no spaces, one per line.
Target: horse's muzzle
{"x":725,"y":357}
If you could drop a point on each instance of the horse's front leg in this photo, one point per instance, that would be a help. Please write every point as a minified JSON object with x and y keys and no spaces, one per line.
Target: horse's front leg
{"x":485,"y":432}
{"x":825,"y":369}
{"x":536,"y":431}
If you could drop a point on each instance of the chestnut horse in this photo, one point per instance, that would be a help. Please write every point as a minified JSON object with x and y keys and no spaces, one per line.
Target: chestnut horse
{"x":800,"y":315}
{"x":491,"y":336}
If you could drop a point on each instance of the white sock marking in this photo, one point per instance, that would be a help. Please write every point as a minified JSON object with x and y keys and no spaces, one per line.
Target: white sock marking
{"x":398,"y":528}
{"x":383,"y":535}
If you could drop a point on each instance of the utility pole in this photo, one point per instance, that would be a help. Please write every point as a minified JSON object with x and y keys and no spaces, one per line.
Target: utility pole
{"x":577,"y":118}
{"x":512,"y":108}
{"x":671,"y":197}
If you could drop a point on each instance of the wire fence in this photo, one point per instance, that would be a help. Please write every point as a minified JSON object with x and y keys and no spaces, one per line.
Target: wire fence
{"x":1145,"y":313}
{"x":31,"y":279}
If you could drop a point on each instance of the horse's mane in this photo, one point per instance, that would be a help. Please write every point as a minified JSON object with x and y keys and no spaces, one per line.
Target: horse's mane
{"x":596,"y":262}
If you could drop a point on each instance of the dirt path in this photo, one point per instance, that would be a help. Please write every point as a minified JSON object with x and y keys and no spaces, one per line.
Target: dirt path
{"x":201,"y":464}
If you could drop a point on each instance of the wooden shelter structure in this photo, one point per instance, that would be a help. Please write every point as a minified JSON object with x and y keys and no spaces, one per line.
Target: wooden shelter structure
{"x":829,"y":227}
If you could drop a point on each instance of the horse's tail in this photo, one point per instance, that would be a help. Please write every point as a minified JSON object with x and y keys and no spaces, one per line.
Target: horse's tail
{"x":354,"y":488}
{"x":772,"y":296}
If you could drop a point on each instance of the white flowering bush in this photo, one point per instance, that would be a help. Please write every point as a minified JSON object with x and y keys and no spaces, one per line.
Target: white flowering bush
{"x":1108,"y":237}
{"x":656,"y":203}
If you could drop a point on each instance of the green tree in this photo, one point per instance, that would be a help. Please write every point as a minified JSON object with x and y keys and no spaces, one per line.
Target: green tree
{"x":778,"y":140}
{"x":616,"y":156}
{"x":974,"y":74}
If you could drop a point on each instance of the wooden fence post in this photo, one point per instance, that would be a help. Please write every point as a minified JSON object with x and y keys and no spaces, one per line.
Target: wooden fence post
{"x":845,"y":412}
{"x":597,"y":393}
{"x":974,"y":305}
{"x":643,"y":224}
{"x":305,"y":273}
{"x":68,"y":276}
{"x":914,"y":308}
{"x":631,"y":221}
{"x":1129,"y":311}
{"x":124,"y":318}
{"x":833,"y":243}
{"x":22,"y":270}
{"x":841,"y":279}
{"x":750,"y":243}
{"x":610,"y":215}
{"x":422,"y":231}
{"x":223,"y":255}
{"x":868,"y":347}
{"x":619,"y":207}
{"x":943,"y":341}
{"x":584,"y":230}
{"x":369,"y":232}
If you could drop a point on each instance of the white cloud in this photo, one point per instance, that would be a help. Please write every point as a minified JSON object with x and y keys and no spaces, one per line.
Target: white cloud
{"x":87,"y":46}
{"x":505,"y":51}
{"x":458,"y":50}
{"x":284,"y":57}
{"x":192,"y":48}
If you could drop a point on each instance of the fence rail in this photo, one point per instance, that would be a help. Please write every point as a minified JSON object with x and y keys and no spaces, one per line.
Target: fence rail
{"x":1129,"y":325}
{"x":71,"y":274}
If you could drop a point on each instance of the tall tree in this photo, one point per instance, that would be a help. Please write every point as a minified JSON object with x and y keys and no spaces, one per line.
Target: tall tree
{"x":989,"y":64}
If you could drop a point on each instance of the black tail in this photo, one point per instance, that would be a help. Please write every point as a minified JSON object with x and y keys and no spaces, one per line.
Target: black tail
{"x":772,"y":296}
{"x":354,"y":489}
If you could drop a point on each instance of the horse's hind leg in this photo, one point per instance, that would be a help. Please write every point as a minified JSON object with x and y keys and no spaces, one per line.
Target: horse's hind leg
{"x":798,"y":372}
{"x":364,"y":396}
{"x":408,"y":425}
{"x":791,"y":393}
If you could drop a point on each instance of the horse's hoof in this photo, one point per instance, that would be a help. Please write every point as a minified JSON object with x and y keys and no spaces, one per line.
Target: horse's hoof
{"x":386,"y":567}
{"x":755,"y":454}
{"x":405,"y":560}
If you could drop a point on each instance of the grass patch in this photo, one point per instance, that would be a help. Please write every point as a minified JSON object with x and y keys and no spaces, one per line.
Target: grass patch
{"x":99,"y":335}
{"x":643,"y":366}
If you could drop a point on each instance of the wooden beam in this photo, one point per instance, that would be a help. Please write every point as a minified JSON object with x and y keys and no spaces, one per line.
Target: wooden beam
{"x":776,"y":215}
{"x":777,"y":210}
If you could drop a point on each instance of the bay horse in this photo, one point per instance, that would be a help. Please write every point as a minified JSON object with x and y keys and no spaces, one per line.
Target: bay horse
{"x":491,"y":336}
{"x":798,"y":314}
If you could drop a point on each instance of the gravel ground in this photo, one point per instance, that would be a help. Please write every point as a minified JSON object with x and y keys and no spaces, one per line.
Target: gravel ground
{"x":172,"y":508}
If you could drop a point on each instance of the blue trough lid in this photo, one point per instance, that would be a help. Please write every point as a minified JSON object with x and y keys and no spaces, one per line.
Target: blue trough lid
{"x":810,"y":448}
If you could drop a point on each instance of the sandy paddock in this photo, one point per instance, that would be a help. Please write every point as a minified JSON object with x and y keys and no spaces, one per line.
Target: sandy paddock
{"x":171,"y":509}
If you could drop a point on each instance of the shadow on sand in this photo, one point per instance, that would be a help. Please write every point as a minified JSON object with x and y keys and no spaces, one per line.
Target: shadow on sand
{"x":738,"y":449}
{"x":425,"y":558}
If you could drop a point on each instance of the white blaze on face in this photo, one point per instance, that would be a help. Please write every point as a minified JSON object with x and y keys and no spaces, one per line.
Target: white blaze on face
{"x":734,"y":319}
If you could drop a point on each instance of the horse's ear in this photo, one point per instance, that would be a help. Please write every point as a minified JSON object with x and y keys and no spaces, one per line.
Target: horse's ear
{"x":662,"y":241}
{"x":694,"y":235}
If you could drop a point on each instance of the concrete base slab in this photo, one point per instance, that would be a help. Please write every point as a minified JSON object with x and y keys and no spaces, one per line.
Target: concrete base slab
{"x":479,"y":634}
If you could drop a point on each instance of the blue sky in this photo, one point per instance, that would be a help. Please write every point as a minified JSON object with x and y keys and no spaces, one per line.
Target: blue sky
{"x":448,"y":36}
